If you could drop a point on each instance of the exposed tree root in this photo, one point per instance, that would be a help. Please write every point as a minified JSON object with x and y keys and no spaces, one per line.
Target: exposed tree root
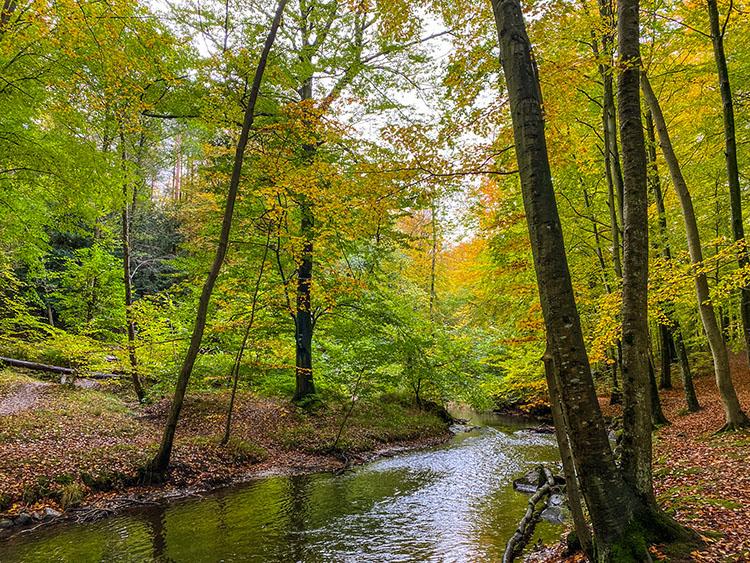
{"x":733,"y":427}
{"x":526,"y":526}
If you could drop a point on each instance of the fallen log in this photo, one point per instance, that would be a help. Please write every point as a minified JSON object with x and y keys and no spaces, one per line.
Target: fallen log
{"x":36,"y":366}
{"x":526,"y":526}
{"x":65,"y":372}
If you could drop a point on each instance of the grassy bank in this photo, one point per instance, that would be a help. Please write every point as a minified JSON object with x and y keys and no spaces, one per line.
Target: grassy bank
{"x":64,"y":446}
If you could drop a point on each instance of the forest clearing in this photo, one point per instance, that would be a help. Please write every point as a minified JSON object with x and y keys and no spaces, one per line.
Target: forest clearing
{"x":374,"y":280}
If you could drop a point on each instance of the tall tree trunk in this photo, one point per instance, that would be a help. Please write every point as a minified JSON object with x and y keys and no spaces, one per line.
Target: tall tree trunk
{"x":304,"y":322}
{"x":730,"y":152}
{"x":734,"y":415}
{"x":636,"y":439}
{"x":159,"y":464}
{"x":127,"y":278}
{"x":672,"y":325}
{"x":661,"y":242}
{"x":609,"y":115}
{"x":613,"y":171}
{"x":607,"y":497}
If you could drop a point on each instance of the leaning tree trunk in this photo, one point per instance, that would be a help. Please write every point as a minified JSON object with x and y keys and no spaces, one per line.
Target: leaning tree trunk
{"x":672,"y":325}
{"x":636,"y":438}
{"x":609,"y":501}
{"x":734,"y":415}
{"x":159,"y":464}
{"x":730,"y":152}
{"x":661,"y":243}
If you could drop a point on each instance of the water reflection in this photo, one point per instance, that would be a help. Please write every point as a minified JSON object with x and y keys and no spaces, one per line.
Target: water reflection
{"x":452,"y":503}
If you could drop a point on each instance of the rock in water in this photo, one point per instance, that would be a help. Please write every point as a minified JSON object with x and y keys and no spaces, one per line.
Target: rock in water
{"x":531,"y":481}
{"x":555,"y":514}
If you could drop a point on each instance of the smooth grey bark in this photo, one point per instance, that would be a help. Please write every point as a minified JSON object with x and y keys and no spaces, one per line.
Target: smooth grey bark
{"x":159,"y":464}
{"x":730,"y":153}
{"x":636,"y":439}
{"x":734,"y":415}
{"x":613,"y":171}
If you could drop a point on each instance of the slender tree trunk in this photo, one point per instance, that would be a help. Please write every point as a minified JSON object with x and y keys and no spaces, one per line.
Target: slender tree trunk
{"x":609,"y":115}
{"x":304,"y":323}
{"x":636,"y":441}
{"x":612,"y":169}
{"x":661,"y":242}
{"x":607,"y":497}
{"x":672,"y":325}
{"x":667,"y":346}
{"x":433,"y":257}
{"x":243,"y":346}
{"x":127,"y":279}
{"x":159,"y":464}
{"x":730,"y":152}
{"x":657,"y":414}
{"x":691,"y":399}
{"x":734,"y":415}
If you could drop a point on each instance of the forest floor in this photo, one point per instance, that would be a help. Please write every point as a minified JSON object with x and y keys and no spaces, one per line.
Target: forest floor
{"x":79,"y":448}
{"x":700,"y":477}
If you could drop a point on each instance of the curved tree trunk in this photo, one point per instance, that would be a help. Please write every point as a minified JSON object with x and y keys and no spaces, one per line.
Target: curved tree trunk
{"x":243,"y":345}
{"x":158,"y":465}
{"x":734,"y":415}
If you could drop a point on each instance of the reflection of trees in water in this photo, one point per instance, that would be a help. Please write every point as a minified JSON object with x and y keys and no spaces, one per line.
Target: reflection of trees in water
{"x":154,"y":519}
{"x":296,"y":511}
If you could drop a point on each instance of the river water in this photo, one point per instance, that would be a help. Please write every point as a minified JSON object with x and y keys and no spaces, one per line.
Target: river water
{"x":450,"y":503}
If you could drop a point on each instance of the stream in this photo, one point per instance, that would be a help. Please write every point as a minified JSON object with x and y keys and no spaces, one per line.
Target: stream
{"x":454,"y":502}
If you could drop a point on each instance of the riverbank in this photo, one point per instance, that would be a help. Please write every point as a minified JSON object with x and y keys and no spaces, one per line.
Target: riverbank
{"x":700,"y":477}
{"x":77,"y":450}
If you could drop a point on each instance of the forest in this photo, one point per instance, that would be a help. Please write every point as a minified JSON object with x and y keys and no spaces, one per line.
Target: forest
{"x":325,"y":280}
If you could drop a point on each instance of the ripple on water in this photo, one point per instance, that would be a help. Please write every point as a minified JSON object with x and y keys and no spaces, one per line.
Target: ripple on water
{"x":450,"y":503}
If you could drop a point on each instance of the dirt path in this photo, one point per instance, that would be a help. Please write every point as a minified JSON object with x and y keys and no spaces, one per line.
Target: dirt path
{"x":21,"y":398}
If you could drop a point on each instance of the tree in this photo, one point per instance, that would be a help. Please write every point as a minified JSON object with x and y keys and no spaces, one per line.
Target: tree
{"x":730,"y":153}
{"x":636,"y":441}
{"x":601,"y":484}
{"x":159,"y":464}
